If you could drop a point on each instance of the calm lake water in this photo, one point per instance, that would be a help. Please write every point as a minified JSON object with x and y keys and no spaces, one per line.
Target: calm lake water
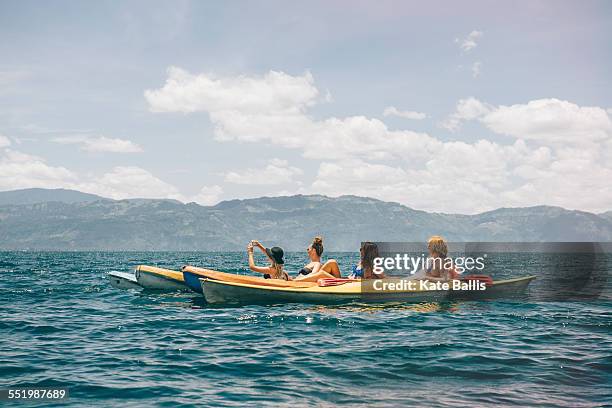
{"x":63,"y":325}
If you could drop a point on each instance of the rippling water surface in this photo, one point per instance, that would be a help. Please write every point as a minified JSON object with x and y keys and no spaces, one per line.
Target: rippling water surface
{"x":63,"y":325}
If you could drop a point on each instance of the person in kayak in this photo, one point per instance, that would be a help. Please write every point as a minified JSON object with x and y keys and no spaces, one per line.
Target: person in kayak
{"x":275,"y":254}
{"x":440,"y":268}
{"x":365,"y":268}
{"x":316,"y":269}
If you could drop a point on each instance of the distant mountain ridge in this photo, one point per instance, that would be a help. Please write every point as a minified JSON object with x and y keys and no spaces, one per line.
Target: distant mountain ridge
{"x":89,"y":222}
{"x":42,"y":195}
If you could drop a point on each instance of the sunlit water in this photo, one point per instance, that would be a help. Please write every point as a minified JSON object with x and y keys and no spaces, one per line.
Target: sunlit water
{"x":63,"y":325}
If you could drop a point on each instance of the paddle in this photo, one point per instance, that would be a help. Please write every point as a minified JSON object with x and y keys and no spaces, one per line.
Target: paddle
{"x":334,"y":281}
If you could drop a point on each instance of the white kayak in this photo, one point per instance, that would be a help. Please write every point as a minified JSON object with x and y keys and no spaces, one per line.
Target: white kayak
{"x":123,"y":280}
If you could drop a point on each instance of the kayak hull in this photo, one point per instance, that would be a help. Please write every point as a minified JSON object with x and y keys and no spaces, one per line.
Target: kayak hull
{"x":123,"y":280}
{"x":223,"y":292}
{"x":153,"y":278}
{"x":232,"y":292}
{"x":189,"y":273}
{"x":216,"y":291}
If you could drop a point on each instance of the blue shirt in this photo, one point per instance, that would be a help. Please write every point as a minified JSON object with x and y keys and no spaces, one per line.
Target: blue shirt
{"x":357,"y":272}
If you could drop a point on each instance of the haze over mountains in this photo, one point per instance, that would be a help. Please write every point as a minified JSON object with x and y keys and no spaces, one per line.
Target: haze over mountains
{"x":41,"y":219}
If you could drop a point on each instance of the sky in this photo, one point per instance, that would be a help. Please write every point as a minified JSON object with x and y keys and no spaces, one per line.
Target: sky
{"x":458,"y":107}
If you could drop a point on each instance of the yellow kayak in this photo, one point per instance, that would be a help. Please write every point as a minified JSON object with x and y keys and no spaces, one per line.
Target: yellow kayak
{"x":384,"y":290}
{"x":192,"y":276}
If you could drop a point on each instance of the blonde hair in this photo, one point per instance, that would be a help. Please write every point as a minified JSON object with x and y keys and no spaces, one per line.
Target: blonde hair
{"x":317,"y":245}
{"x":437,"y":245}
{"x":280,"y":272}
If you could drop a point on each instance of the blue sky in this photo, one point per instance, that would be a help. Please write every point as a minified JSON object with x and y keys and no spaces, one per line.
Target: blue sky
{"x":488,"y":104}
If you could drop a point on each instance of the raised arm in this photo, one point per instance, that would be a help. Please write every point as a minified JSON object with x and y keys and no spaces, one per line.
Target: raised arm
{"x":260,"y":246}
{"x":252,"y":266}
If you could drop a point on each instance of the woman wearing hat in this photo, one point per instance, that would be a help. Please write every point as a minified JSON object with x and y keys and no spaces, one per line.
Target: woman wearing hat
{"x":275,"y":254}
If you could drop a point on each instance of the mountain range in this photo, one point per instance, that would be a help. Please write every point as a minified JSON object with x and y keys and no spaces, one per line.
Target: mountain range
{"x":43,"y":219}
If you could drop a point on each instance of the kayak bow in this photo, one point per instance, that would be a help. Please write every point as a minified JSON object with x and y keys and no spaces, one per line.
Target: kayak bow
{"x":123,"y":280}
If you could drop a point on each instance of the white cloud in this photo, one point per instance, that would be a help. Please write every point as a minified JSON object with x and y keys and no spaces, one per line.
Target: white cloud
{"x":353,"y":177}
{"x":20,"y":170}
{"x":550,"y":121}
{"x":273,"y":108}
{"x":129,"y":182}
{"x":361,"y":155}
{"x":393,"y":111}
{"x":208,"y":195}
{"x":468,"y":43}
{"x":276,"y":172}
{"x":106,"y":144}
{"x":469,"y":178}
{"x":4,"y":141}
{"x":467,"y":109}
{"x":100,"y":144}
{"x":273,"y":94}
{"x":476,"y":69}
